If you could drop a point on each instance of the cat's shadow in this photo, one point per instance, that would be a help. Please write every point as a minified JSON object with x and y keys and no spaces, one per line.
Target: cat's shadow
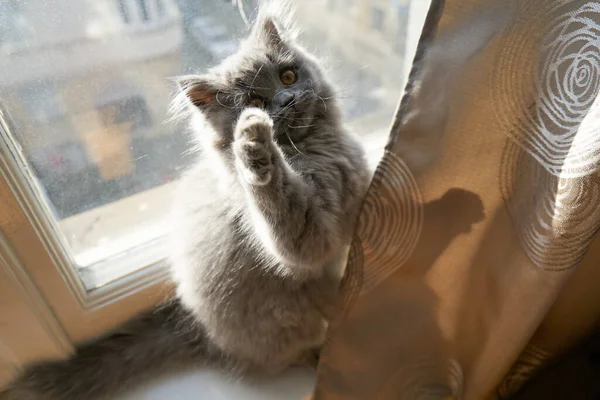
{"x":391,"y":344}
{"x":445,"y":219}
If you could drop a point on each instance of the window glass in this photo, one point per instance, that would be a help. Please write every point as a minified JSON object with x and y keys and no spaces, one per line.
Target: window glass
{"x":84,"y":87}
{"x":378,"y":18}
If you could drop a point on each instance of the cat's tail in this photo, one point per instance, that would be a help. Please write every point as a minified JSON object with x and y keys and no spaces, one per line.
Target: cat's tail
{"x":163,"y":338}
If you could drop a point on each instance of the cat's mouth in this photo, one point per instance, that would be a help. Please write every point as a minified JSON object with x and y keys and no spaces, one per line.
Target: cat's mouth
{"x":295,"y":118}
{"x":293,"y":123}
{"x":297,"y":109}
{"x":292,"y":126}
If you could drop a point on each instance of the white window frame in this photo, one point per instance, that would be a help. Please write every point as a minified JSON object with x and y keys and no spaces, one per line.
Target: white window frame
{"x":33,"y":254}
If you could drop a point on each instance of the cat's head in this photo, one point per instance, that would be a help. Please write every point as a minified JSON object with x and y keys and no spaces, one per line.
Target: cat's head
{"x":270,"y":71}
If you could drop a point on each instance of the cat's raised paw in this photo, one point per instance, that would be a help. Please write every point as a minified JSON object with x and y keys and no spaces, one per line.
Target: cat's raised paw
{"x":253,"y":146}
{"x":254,"y":125}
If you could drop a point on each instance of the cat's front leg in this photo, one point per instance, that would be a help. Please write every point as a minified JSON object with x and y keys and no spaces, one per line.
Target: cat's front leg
{"x":253,"y":147}
{"x":287,"y":211}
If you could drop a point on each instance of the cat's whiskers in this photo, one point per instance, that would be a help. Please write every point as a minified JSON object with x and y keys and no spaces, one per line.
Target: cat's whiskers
{"x":246,"y":86}
{"x":279,"y":113}
{"x":219,"y":101}
{"x":254,"y":79}
{"x":279,"y":116}
{"x":320,"y":98}
{"x":292,"y":142}
{"x":301,"y":126}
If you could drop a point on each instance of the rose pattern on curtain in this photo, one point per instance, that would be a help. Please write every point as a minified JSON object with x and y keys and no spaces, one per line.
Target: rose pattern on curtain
{"x":556,"y":136}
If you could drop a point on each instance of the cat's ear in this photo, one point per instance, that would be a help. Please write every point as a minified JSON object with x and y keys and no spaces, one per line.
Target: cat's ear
{"x":271,"y":32}
{"x":200,"y":90}
{"x":274,"y":24}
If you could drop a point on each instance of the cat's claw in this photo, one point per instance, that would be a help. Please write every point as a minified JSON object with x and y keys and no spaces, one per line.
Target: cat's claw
{"x":253,"y":146}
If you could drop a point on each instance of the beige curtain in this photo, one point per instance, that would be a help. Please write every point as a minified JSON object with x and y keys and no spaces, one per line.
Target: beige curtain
{"x":469,"y":268}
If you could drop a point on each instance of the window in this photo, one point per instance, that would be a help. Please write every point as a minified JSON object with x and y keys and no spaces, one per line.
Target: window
{"x":87,"y":164}
{"x":143,"y":8}
{"x":378,"y":19}
{"x":42,"y":102}
{"x":141,"y":11}
{"x":14,"y":27}
{"x":124,"y":10}
{"x":400,"y":34}
{"x":160,"y":9}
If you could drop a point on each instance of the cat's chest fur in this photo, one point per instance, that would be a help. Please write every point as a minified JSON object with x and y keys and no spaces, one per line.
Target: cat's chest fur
{"x":223,"y":273}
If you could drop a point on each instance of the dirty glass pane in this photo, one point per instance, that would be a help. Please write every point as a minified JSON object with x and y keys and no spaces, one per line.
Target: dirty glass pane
{"x":84,"y":88}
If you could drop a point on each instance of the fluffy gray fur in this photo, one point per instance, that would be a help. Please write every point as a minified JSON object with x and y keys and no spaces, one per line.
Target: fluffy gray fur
{"x":262,"y":223}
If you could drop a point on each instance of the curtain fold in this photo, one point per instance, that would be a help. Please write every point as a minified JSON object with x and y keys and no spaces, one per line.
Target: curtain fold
{"x":469,"y":271}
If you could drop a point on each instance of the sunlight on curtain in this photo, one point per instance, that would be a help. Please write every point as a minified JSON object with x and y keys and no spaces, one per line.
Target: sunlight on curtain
{"x":474,"y":235}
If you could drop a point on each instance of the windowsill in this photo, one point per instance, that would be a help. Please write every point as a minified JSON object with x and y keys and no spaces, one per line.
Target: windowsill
{"x":208,"y":384}
{"x":109,"y":230}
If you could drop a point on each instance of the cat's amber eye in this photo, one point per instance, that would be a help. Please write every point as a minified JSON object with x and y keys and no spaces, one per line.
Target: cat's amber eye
{"x":257,"y":102}
{"x":288,"y":77}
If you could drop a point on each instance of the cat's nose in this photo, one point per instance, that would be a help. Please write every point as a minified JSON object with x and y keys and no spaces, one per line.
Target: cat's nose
{"x":284,"y":98}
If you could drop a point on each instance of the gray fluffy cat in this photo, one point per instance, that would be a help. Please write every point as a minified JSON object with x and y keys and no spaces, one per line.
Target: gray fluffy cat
{"x":262,"y":226}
